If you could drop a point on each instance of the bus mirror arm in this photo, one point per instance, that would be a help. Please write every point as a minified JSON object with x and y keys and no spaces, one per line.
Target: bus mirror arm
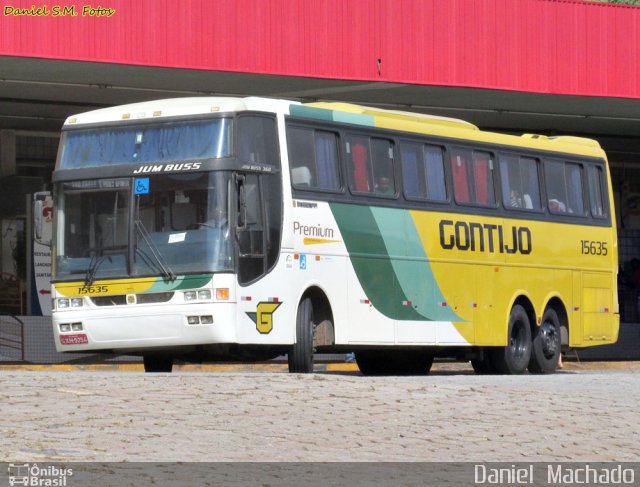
{"x":241,"y":220}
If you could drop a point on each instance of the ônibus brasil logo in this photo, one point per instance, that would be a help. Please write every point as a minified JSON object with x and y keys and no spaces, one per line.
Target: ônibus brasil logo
{"x":37,"y":476}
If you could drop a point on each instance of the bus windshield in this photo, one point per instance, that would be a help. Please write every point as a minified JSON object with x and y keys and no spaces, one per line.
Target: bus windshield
{"x":161,"y":225}
{"x":176,"y":141}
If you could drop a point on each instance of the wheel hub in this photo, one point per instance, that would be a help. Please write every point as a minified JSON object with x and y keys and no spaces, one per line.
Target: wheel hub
{"x":549,"y":339}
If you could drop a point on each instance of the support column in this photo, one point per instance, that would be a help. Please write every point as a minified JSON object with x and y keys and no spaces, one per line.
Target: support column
{"x":7,"y":152}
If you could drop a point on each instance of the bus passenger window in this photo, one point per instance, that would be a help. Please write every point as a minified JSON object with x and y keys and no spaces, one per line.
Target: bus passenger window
{"x":327,"y":160}
{"x":313,"y":157}
{"x":574,"y":189}
{"x":564,"y":187}
{"x":483,"y":172}
{"x":596,"y":201}
{"x":299,"y":141}
{"x":556,"y":190}
{"x":358,"y":151}
{"x":423,"y":172}
{"x":436,"y":187}
{"x":519,"y":182}
{"x":460,"y":161}
{"x":413,"y":170}
{"x":472,"y":177}
{"x":382,"y":158}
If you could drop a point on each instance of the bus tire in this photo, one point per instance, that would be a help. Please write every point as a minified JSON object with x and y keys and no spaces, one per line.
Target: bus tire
{"x":514,"y":357}
{"x":157,"y":363}
{"x":300,"y":357}
{"x":394,"y":362}
{"x":546,"y":344}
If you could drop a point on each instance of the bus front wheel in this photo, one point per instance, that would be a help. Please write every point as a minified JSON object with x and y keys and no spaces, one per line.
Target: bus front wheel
{"x":300,"y":355}
{"x":514,"y":358}
{"x":546,"y":344}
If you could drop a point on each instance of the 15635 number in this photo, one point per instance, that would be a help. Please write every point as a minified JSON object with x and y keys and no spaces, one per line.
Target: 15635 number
{"x":92,"y":290}
{"x":594,"y":247}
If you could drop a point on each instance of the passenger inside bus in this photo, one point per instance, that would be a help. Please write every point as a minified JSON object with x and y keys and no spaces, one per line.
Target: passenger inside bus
{"x":384,"y":186}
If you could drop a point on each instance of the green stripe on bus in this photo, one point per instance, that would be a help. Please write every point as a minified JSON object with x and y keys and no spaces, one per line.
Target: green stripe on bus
{"x":410,"y":263}
{"x":183,"y":282}
{"x":311,"y":112}
{"x":370,"y":260}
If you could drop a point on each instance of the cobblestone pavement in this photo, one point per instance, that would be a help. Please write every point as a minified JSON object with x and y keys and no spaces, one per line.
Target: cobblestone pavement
{"x":581,"y":414}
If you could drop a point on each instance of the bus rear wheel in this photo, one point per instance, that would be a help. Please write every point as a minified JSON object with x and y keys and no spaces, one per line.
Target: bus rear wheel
{"x":300,"y":355}
{"x":514,"y":358}
{"x":394,"y":362}
{"x":546,"y":344}
{"x":157,"y":363}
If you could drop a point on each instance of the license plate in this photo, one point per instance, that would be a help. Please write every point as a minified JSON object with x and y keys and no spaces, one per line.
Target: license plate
{"x":78,"y":339}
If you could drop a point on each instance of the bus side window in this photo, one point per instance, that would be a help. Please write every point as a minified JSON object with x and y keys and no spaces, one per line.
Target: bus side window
{"x":574,"y":188}
{"x":303,"y":167}
{"x":313,"y":156}
{"x":434,"y":172}
{"x":327,"y":167}
{"x":257,"y":140}
{"x":460,"y":161}
{"x":555,"y":184}
{"x":423,"y":172}
{"x":483,"y":176}
{"x":358,"y":151}
{"x":519,"y":182}
{"x":382,"y":158}
{"x":596,"y":185}
{"x":564,"y":187}
{"x":412,"y":170}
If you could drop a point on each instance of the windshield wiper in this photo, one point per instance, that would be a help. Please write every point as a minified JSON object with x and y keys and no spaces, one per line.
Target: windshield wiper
{"x":94,"y":264}
{"x":166,"y":271}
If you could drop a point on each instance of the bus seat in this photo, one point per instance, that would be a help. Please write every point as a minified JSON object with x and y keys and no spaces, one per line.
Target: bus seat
{"x":528,"y":203}
{"x":183,"y":215}
{"x":301,"y":176}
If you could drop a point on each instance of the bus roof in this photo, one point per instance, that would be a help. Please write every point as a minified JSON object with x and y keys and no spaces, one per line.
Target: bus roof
{"x":443,"y":127}
{"x":177,"y":107}
{"x":338,"y":112}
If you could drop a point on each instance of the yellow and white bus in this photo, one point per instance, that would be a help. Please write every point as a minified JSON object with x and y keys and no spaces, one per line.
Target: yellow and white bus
{"x":200,"y":229}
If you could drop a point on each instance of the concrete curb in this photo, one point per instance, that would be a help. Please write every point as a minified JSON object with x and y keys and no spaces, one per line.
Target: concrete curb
{"x":442,"y":367}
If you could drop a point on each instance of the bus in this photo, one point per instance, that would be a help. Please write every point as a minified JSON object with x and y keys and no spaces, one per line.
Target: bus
{"x":213,"y":228}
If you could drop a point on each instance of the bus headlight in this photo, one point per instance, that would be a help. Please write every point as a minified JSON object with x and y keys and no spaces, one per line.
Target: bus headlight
{"x":204,"y":294}
{"x":65,"y":327}
{"x":63,"y":303}
{"x":76,"y":302}
{"x":200,"y":295}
